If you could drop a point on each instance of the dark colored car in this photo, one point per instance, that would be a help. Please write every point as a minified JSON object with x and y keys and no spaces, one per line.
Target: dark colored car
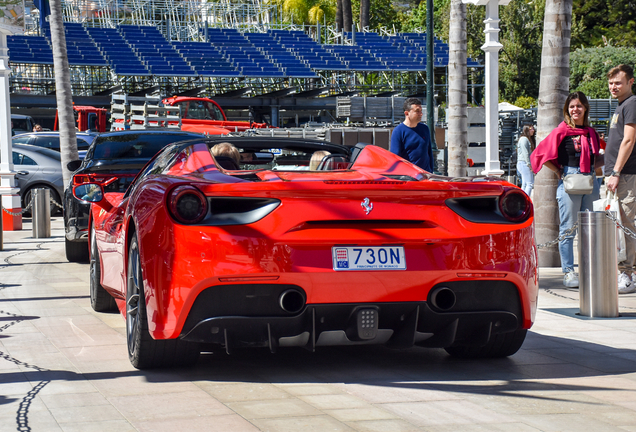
{"x":37,"y":167}
{"x":21,"y":123}
{"x":114,"y":158}
{"x":51,"y":140}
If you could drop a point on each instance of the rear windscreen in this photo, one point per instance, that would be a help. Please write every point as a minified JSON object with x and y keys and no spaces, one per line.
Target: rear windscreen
{"x":134,"y":146}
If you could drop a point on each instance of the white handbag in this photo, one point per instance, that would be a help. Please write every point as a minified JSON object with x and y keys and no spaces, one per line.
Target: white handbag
{"x":578,"y":184}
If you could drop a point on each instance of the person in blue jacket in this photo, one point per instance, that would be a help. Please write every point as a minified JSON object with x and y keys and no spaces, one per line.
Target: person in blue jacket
{"x":411,"y":139}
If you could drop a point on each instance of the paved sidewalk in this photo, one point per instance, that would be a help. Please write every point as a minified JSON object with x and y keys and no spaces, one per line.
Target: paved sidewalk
{"x":64,"y":367}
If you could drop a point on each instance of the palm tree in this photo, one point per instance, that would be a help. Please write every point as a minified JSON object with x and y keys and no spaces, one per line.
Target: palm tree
{"x":365,"y":7}
{"x":63,"y":91}
{"x":457,"y":91}
{"x":338,"y":15}
{"x":553,"y":90}
{"x":347,"y":16}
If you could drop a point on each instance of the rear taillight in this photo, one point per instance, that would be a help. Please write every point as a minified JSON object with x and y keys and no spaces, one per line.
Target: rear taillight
{"x":79,"y":179}
{"x":515,"y":205}
{"x":187,"y":204}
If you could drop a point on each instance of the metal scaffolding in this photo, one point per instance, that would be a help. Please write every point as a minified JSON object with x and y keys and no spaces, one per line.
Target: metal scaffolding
{"x":189,"y":20}
{"x":176,"y":19}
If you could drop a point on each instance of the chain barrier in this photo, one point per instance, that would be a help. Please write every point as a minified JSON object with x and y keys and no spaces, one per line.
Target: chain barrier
{"x":26,"y":209}
{"x":618,"y":223}
{"x":21,"y":211}
{"x":55,"y":203}
{"x":572,"y":231}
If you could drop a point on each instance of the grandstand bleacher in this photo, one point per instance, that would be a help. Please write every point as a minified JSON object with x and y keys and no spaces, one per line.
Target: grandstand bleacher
{"x":133,"y":50}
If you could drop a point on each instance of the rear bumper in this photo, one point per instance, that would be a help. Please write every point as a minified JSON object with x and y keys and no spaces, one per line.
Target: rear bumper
{"x":411,"y":324}
{"x":395,"y":324}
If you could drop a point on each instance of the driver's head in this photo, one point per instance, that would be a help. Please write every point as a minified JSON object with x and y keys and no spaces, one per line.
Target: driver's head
{"x":226,"y":149}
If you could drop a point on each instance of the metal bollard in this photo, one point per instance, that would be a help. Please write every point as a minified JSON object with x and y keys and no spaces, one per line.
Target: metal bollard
{"x":41,"y":213}
{"x":598,"y":269}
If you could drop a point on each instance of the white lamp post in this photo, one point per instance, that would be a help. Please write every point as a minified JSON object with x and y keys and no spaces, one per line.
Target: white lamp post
{"x":491,"y":48}
{"x":10,"y":23}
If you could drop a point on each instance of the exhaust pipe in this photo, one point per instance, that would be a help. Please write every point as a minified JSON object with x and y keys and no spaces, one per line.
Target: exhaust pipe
{"x":443,"y":298}
{"x":291,"y":301}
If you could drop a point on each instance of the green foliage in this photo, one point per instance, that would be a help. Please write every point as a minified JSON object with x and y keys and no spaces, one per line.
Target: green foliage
{"x":382,"y":13}
{"x":414,"y":20}
{"x":520,"y":58}
{"x":595,"y":89}
{"x":601,"y":21}
{"x":521,"y":35}
{"x":525,"y":102}
{"x":475,"y":16}
{"x":589,"y":67}
{"x":307,"y":11}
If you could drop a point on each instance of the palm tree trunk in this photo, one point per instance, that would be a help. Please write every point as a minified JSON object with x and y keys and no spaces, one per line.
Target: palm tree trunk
{"x":63,"y":92}
{"x":338,"y":15}
{"x":347,"y":15}
{"x":365,"y":6}
{"x":553,"y":90}
{"x":457,"y":91}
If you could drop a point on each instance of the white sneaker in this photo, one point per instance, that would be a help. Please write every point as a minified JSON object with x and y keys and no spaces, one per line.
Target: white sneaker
{"x":625,"y":284}
{"x":571,"y":280}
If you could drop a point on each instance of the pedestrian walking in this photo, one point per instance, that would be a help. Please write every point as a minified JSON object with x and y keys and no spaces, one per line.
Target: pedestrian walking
{"x":411,"y":139}
{"x":571,"y":150}
{"x":525,"y":147}
{"x":620,"y":163}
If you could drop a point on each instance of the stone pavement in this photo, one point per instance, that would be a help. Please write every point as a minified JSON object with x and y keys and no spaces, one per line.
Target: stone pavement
{"x":64,"y":367}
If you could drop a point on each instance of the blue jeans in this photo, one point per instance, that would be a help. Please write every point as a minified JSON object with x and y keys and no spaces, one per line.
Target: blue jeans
{"x":569,"y":207}
{"x":527,"y":177}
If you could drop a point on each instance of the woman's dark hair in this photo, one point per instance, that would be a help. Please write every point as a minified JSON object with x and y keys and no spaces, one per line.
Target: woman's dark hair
{"x":526,"y":133}
{"x":566,"y":112}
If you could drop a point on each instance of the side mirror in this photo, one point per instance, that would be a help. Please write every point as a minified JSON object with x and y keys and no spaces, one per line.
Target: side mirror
{"x":91,"y":192}
{"x":73,"y":165}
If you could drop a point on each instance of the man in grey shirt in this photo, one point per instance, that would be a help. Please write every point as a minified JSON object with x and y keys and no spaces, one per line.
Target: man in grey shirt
{"x":620,"y":162}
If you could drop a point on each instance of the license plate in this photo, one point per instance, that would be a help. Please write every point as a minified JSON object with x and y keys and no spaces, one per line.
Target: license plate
{"x":368,"y":258}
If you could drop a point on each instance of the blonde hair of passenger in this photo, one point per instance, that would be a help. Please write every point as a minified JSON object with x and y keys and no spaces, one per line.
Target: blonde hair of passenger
{"x":228,"y":150}
{"x":316,"y":158}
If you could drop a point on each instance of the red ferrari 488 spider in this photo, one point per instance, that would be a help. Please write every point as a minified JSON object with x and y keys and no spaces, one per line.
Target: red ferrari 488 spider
{"x":364,"y":248}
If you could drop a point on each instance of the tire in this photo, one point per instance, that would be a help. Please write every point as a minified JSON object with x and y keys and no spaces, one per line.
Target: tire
{"x":76,"y":251}
{"x":499,"y":345}
{"x":52,"y":195}
{"x":101,"y":301}
{"x":145,"y":352}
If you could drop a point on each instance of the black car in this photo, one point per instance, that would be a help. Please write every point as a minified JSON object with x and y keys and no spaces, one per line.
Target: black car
{"x":114,"y":159}
{"x":51,"y":140}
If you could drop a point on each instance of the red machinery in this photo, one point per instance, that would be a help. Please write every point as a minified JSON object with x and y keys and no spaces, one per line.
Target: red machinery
{"x":87,"y":118}
{"x":205,"y":116}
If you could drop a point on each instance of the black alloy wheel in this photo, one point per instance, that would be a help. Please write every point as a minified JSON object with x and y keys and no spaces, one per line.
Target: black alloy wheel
{"x":145,"y":352}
